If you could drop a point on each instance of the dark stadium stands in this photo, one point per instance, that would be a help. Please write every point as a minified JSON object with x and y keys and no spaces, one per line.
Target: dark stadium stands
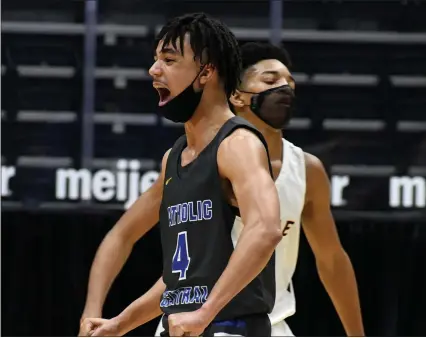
{"x":360,"y":84}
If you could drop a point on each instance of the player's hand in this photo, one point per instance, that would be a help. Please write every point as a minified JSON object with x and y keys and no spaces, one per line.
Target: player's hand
{"x":188,"y":324}
{"x":84,"y":329}
{"x":99,"y":327}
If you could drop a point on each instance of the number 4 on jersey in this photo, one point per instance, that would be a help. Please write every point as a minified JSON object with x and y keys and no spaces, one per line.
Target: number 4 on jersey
{"x":181,"y":259}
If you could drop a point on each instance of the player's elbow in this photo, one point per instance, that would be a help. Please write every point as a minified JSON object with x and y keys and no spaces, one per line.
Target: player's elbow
{"x":274,"y":237}
{"x":332,"y":260}
{"x":269,"y":232}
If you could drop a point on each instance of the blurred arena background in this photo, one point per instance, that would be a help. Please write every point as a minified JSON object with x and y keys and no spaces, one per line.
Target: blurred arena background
{"x":78,"y":124}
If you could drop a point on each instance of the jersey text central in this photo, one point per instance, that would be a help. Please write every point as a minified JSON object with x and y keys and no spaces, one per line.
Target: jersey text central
{"x":185,"y":295}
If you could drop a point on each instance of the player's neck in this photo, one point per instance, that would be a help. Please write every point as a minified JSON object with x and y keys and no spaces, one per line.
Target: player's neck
{"x":273,"y":138}
{"x":205,"y":123}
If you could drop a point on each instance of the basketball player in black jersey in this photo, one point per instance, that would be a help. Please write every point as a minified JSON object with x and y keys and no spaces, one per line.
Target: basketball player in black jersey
{"x":218,"y":169}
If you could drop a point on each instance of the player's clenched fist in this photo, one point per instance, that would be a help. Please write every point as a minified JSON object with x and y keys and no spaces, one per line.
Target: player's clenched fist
{"x":99,"y":327}
{"x":188,"y":324}
{"x":86,"y":327}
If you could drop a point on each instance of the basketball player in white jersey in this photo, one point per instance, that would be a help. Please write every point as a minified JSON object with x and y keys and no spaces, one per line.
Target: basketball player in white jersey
{"x":265,"y":99}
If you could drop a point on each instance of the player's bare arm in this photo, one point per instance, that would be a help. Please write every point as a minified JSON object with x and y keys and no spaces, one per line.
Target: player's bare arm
{"x":333,"y":264}
{"x":141,"y":311}
{"x":118,"y":243}
{"x":242,"y":159}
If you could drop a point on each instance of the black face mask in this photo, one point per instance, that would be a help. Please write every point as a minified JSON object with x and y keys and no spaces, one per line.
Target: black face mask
{"x":274,"y":106}
{"x":183,"y":106}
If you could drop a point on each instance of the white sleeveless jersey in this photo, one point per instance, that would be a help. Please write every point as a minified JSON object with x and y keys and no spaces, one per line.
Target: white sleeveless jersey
{"x":291,"y":186}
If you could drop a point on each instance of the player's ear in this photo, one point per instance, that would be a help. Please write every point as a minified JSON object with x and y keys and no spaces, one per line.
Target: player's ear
{"x":206,"y":74}
{"x":236,"y":99}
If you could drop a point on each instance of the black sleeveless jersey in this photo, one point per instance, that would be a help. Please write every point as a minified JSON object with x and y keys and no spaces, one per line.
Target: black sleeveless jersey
{"x":196,"y":223}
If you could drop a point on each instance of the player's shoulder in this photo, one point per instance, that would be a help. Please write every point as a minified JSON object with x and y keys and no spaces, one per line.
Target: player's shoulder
{"x":242,"y":135}
{"x":166,"y":156}
{"x":239,"y":141}
{"x":240,"y":153}
{"x":164,"y":161}
{"x":312,"y":162}
{"x":314,"y":168}
{"x":294,"y":151}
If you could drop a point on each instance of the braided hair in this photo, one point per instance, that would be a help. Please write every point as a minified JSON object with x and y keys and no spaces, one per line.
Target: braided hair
{"x":212,"y":43}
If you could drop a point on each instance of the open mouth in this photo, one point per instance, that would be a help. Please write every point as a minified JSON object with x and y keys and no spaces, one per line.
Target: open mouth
{"x":165,"y":96}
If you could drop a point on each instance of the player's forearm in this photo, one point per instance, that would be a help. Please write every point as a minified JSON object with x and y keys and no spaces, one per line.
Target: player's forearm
{"x":108,"y":262}
{"x":253,"y":251}
{"x":339,"y":280}
{"x":142,"y":310}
